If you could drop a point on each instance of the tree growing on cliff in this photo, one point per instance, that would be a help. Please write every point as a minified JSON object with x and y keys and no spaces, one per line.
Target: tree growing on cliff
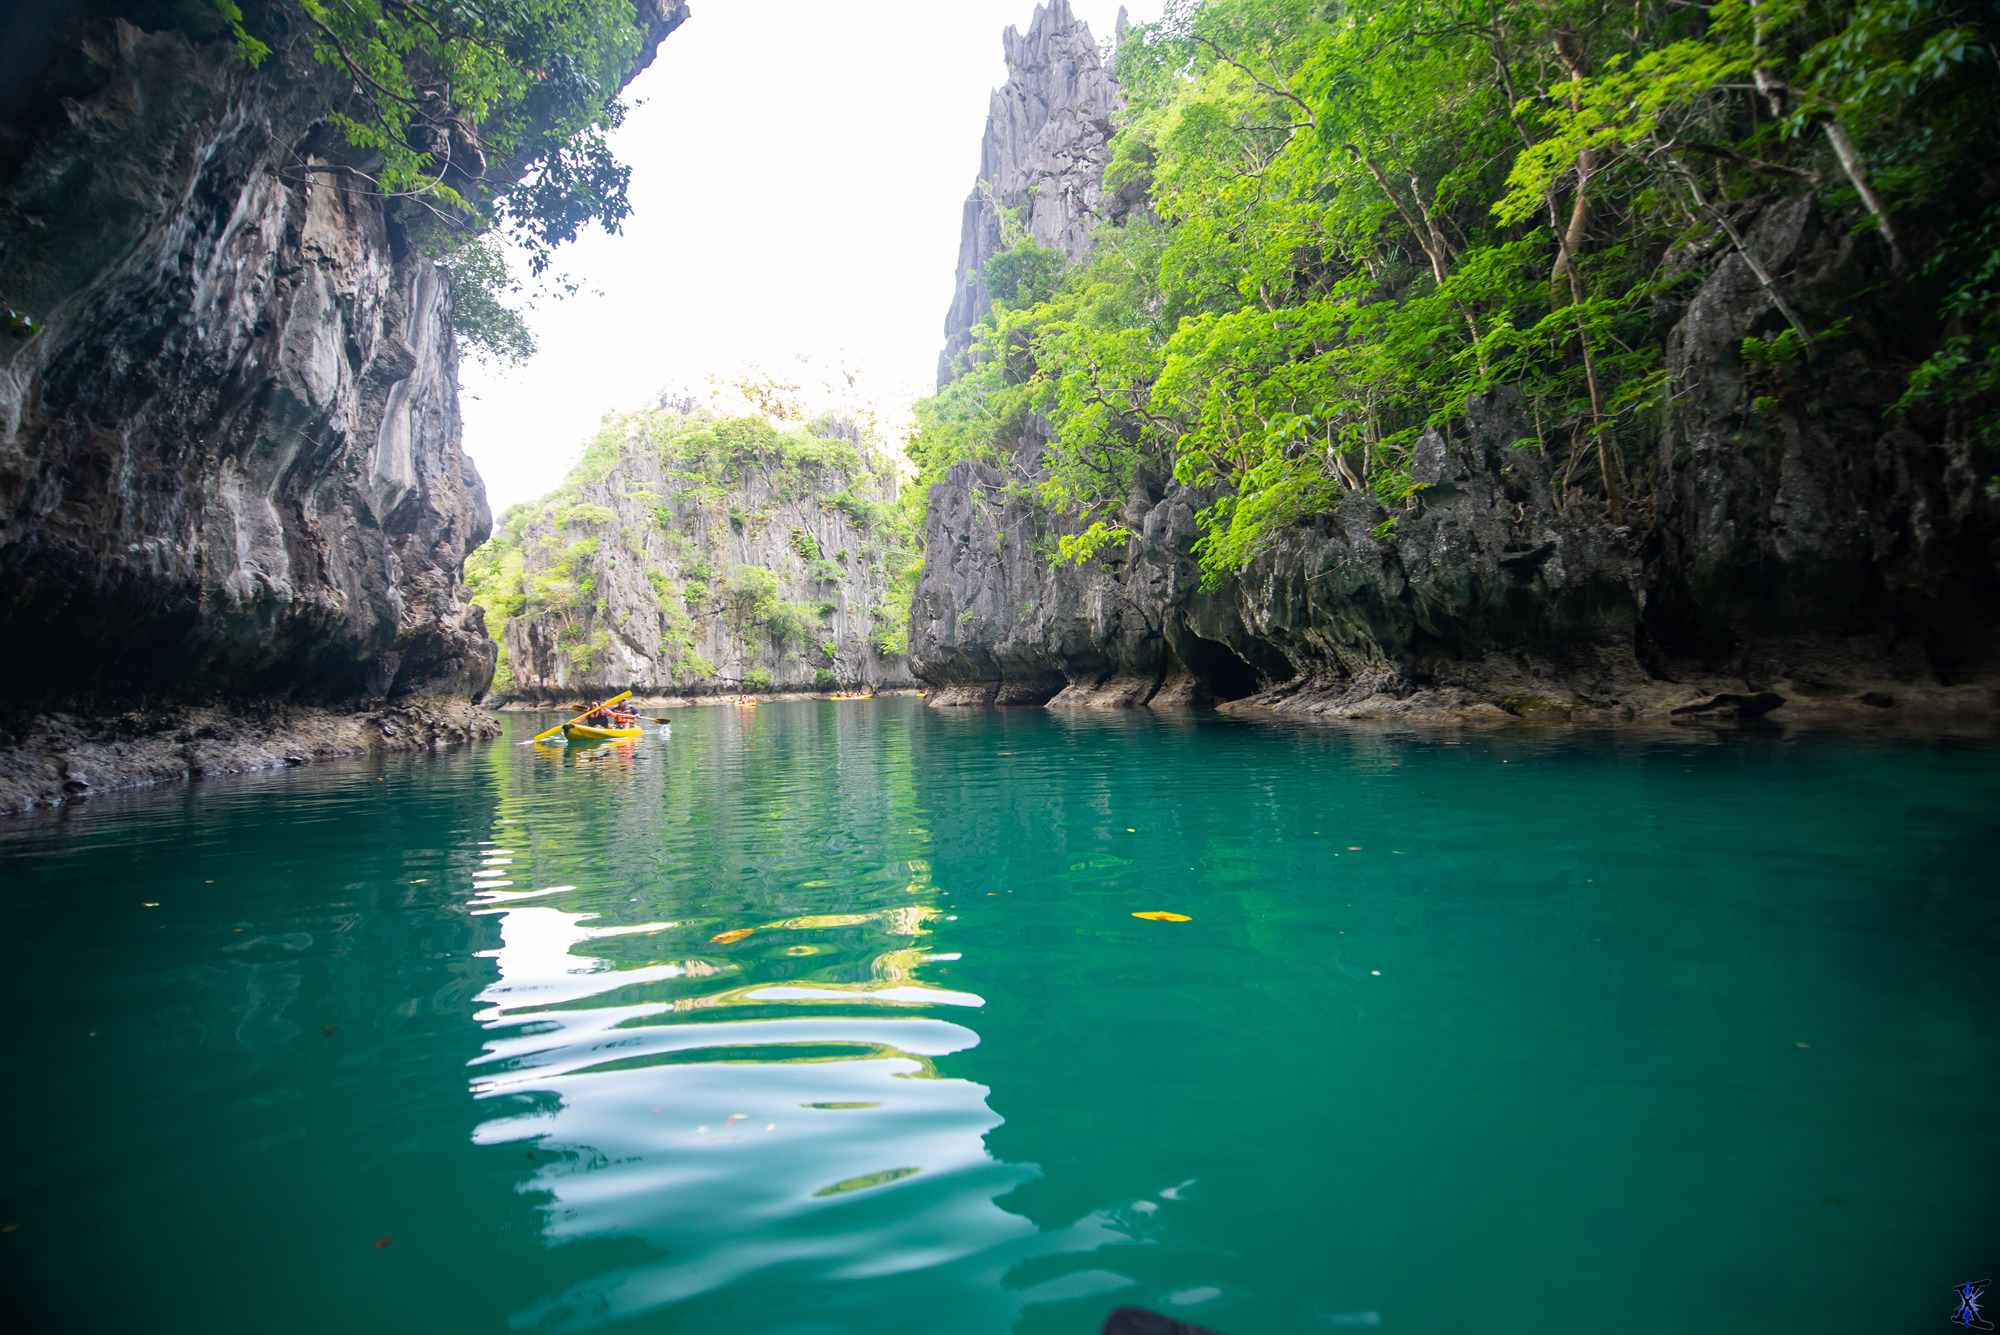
{"x":1369,"y":212}
{"x":501,"y":106}
{"x":477,"y":116}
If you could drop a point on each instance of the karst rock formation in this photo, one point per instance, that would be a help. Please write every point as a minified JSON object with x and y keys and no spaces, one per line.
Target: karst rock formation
{"x":1048,"y":140}
{"x":1803,"y":547}
{"x":230,"y":460}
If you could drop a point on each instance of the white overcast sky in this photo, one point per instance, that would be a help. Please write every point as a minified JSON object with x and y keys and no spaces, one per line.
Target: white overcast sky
{"x":798,"y":168}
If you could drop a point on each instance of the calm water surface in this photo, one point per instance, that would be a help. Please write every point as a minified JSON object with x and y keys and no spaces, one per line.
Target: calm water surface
{"x":834,"y":1017}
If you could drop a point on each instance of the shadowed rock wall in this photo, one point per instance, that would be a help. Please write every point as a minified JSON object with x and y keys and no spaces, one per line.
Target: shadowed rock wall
{"x":230,"y":461}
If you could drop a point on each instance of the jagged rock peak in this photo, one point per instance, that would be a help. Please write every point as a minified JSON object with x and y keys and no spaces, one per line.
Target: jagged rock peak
{"x":1047,"y":142}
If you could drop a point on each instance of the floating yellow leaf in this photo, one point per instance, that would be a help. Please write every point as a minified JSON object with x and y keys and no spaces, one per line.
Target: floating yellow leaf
{"x":865,"y":1181}
{"x":730,"y":938}
{"x":814,"y":921}
{"x":1158,"y":916}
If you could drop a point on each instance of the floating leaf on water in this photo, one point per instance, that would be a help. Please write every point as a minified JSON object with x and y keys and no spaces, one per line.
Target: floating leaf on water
{"x":734,"y":1118}
{"x":328,"y":1031}
{"x":814,"y":921}
{"x":865,"y":1181}
{"x":380,"y":1243}
{"x":1157,"y":915}
{"x":836,"y":1107}
{"x":730,"y":938}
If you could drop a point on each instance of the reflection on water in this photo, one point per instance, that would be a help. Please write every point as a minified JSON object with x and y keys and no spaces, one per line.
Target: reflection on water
{"x":758,"y":1106}
{"x":825,"y":1019}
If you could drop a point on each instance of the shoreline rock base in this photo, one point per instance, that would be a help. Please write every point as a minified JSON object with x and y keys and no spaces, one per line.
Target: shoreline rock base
{"x":49,"y":759}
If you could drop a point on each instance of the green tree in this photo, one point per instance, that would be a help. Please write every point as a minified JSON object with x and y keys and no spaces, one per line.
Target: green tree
{"x":1368,"y":212}
{"x":496,"y":109}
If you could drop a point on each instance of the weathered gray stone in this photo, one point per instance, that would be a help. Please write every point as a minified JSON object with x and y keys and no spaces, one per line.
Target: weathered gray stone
{"x":53,"y":759}
{"x":230,"y":463}
{"x":1048,"y":140}
{"x":230,"y":458}
{"x":1484,"y":584}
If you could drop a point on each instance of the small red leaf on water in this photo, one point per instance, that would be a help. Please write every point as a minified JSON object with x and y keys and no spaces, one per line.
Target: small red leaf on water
{"x":731,"y":938}
{"x":380,"y":1243}
{"x":328,"y":1031}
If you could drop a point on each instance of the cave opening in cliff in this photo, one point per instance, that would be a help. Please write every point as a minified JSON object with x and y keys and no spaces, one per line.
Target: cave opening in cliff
{"x":1227,"y":675}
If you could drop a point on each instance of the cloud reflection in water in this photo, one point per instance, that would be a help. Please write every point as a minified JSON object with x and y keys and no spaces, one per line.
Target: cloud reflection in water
{"x":789,"y":1152}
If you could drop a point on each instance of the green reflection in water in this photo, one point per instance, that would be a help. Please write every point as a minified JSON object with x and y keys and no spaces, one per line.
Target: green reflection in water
{"x":835,"y":1017}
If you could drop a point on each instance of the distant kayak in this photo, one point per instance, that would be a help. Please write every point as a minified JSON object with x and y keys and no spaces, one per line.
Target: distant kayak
{"x":578,"y":732}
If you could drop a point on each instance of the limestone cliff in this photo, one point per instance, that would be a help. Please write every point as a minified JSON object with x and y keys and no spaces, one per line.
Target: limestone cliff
{"x":230,"y":463}
{"x":690,"y":555}
{"x":1797,"y":545}
{"x":1048,"y":140}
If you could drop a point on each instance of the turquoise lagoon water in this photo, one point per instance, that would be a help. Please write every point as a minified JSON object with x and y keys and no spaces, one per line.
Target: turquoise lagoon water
{"x":1492,"y":1033}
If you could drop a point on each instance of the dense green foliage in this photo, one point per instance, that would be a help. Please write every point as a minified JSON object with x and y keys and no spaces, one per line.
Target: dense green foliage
{"x":1368,"y":211}
{"x":483,"y":295}
{"x":446,"y":91}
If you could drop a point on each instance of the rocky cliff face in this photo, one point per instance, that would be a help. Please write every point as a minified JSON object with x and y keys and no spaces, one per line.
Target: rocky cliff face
{"x":1487,"y":592}
{"x":232,"y":492}
{"x":230,"y":463}
{"x":1048,"y":140}
{"x":1802,"y":547}
{"x":691,"y":556}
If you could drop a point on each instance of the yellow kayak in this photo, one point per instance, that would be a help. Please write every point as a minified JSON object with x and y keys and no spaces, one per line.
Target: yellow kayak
{"x":578,"y":732}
